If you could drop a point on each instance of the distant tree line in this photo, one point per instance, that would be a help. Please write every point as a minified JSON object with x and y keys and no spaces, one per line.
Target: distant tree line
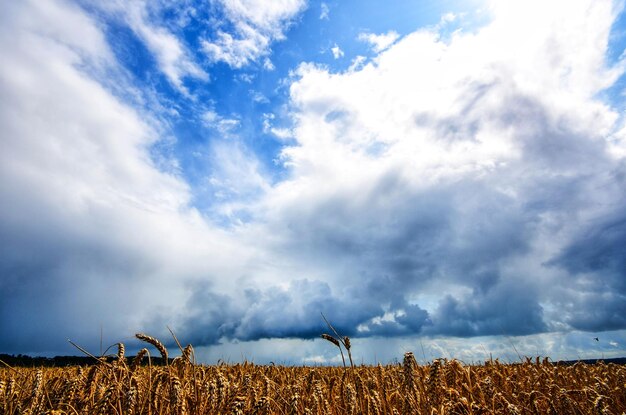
{"x":21,"y":360}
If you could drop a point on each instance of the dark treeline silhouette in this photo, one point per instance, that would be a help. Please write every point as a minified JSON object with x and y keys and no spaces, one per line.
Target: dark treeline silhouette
{"x":21,"y":360}
{"x":615,"y":360}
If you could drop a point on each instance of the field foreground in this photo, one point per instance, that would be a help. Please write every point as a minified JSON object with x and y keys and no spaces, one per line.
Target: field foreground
{"x":121,"y":386}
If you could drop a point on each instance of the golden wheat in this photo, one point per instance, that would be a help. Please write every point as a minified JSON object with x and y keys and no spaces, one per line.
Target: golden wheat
{"x":159,"y":346}
{"x":442,"y":387}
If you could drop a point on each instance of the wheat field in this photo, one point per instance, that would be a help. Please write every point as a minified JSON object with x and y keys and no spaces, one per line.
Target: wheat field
{"x":135,"y":386}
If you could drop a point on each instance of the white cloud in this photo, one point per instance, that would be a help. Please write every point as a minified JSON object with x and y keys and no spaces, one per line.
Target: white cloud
{"x":174,"y":60}
{"x":247,"y":78}
{"x":224,"y":125}
{"x":357,"y":63}
{"x":421,"y":78}
{"x":86,"y":200}
{"x":324,"y":11}
{"x":268,"y":65}
{"x":282,"y":133}
{"x":448,"y":18}
{"x":337,"y":52}
{"x":237,"y":178}
{"x":456,"y":149}
{"x":380,"y":42}
{"x":211,"y":117}
{"x":258,"y":96}
{"x":256,"y":24}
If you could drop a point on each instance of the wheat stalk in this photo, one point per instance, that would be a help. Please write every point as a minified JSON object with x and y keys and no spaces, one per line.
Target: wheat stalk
{"x":157,"y":344}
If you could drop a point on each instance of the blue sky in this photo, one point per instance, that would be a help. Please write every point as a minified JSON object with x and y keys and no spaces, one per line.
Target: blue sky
{"x":440,"y":176}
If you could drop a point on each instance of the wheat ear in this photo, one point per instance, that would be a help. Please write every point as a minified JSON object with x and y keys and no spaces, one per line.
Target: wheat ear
{"x":159,"y":346}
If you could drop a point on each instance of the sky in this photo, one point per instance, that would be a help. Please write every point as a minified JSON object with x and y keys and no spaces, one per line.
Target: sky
{"x":442,"y":177}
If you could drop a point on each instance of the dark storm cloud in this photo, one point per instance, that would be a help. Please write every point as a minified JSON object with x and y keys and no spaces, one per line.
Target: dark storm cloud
{"x":510,"y":308}
{"x":596,"y":262}
{"x":396,"y":241}
{"x":599,"y":247}
{"x":412,"y":236}
{"x":295,"y":312}
{"x":54,"y":287}
{"x":292,"y":312}
{"x":598,"y":312}
{"x":209,"y":316}
{"x":391,"y":253}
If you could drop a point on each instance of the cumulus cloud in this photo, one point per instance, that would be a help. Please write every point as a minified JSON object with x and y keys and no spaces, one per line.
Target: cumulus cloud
{"x":453,"y":176}
{"x":337,"y":52}
{"x":380,"y":42}
{"x":292,"y":311}
{"x":251,"y":27}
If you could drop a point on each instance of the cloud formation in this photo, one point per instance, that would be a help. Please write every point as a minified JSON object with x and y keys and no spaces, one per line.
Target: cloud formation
{"x":458,"y":171}
{"x":463,"y":186}
{"x":324,"y":11}
{"x":336,"y":51}
{"x":171,"y":54}
{"x":252,"y":25}
{"x":93,"y":232}
{"x":380,"y":42}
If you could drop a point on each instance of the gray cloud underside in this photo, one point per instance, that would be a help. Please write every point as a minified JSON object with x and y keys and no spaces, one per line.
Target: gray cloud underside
{"x":395,"y":241}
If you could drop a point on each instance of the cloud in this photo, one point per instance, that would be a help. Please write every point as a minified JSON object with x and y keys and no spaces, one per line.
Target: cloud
{"x":561,"y":346}
{"x":324,"y":11}
{"x":291,"y":311}
{"x":501,"y":310}
{"x":269,"y":128}
{"x":171,"y":54}
{"x":237,"y":179}
{"x":93,"y":232}
{"x":337,"y":52}
{"x":448,"y":18}
{"x":250,"y":28}
{"x":258,"y":97}
{"x":222,"y":124}
{"x":452,"y":175}
{"x":380,"y":42}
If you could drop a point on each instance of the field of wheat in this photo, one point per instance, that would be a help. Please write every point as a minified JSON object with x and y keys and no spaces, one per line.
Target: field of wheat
{"x":130,"y":386}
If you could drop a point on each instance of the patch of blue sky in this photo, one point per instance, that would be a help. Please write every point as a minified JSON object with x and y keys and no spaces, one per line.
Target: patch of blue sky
{"x":617,"y":39}
{"x":132,"y":53}
{"x":349,"y":19}
{"x":616,"y":53}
